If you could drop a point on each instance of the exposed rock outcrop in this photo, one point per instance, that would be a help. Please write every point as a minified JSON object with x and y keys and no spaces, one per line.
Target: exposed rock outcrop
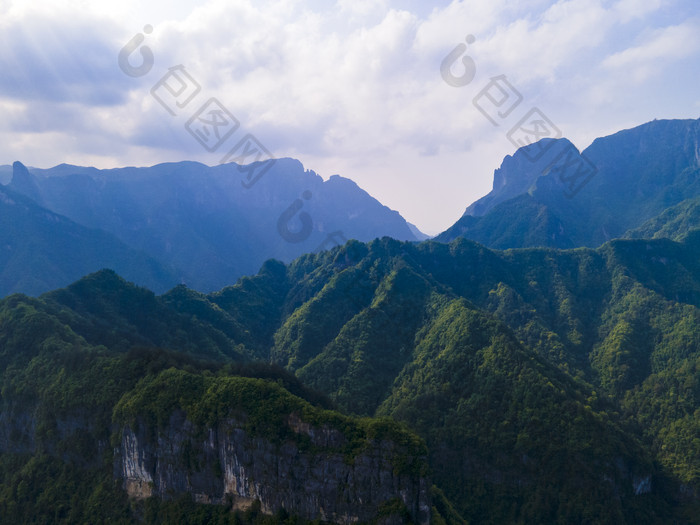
{"x":313,"y":476}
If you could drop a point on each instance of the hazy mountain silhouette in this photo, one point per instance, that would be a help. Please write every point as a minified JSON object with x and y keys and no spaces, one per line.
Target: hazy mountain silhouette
{"x":41,"y":250}
{"x":204,"y":222}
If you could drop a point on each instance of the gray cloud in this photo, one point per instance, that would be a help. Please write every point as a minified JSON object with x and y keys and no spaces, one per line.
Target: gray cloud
{"x":61,"y":61}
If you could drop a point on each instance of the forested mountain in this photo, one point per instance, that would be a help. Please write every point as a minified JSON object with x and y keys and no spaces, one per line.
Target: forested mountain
{"x":673,"y":223}
{"x":211,"y":225}
{"x":92,"y":413}
{"x":548,"y":386}
{"x":549,"y":194}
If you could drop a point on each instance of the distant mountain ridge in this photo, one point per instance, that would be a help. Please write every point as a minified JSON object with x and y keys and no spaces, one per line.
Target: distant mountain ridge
{"x":639,"y":173}
{"x":516,"y":176}
{"x":211,"y":225}
{"x":40,"y":250}
{"x":207,"y":226}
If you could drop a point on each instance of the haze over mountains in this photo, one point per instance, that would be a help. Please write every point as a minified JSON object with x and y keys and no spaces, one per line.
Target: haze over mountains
{"x":206,"y":226}
{"x":40,"y":250}
{"x":198,"y":225}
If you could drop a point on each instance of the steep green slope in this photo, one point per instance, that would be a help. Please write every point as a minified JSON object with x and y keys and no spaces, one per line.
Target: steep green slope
{"x":360,"y":364}
{"x":600,"y":317}
{"x":511,"y":439}
{"x":416,"y":353}
{"x":672,"y":223}
{"x":520,"y":221}
{"x":108,"y":311}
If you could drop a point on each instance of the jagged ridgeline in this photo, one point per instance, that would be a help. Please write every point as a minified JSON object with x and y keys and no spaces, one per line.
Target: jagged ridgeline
{"x":180,"y":222}
{"x":410,"y":383}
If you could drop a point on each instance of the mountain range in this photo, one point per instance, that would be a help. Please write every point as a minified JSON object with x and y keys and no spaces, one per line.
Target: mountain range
{"x":198,"y":225}
{"x":207,"y":226}
{"x":548,"y":373}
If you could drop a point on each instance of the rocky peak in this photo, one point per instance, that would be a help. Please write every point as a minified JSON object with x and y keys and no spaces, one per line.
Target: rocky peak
{"x":24,"y":182}
{"x":313,"y":477}
{"x":518,"y":174}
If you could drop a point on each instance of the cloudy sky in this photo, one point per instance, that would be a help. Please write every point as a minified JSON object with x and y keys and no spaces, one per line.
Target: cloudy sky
{"x":348,"y":87}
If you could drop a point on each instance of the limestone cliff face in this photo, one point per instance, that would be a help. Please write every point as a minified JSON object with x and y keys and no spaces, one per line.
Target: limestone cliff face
{"x":311,"y":477}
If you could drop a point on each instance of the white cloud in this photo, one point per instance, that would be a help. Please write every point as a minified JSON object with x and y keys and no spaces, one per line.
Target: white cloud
{"x":659,"y":48}
{"x":627,"y":10}
{"x":361,"y":9}
{"x":351,"y":88}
